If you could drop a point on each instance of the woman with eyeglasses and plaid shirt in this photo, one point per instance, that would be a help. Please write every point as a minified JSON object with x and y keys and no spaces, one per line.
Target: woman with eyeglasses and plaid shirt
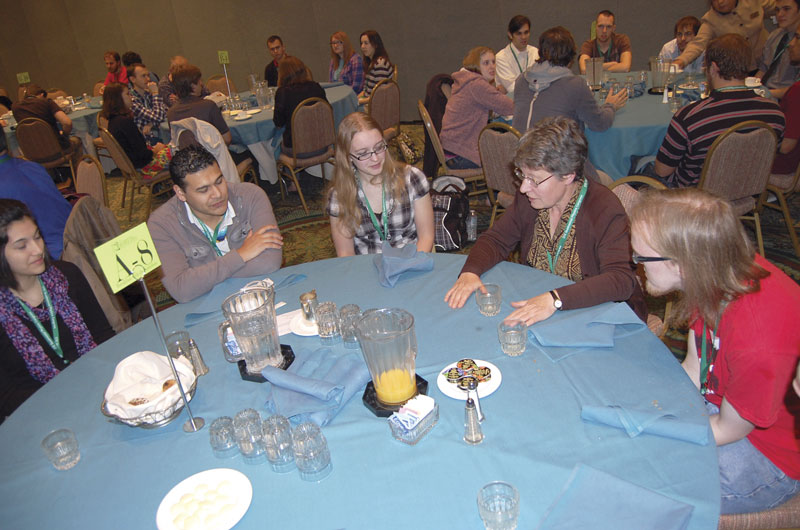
{"x":372,"y":199}
{"x":564,"y":223}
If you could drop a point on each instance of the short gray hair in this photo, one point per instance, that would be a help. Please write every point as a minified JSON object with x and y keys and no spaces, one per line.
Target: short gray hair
{"x":555,"y":144}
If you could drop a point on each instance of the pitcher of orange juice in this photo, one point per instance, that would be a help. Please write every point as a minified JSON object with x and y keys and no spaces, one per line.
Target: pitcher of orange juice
{"x":389,"y":345}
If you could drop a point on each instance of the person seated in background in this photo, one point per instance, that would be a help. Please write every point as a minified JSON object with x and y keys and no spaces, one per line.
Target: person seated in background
{"x":517,"y":57}
{"x":372,"y":198}
{"x":212,"y":230}
{"x":147,"y":106}
{"x":695,"y":126}
{"x":188,"y":83}
{"x":294,"y":86}
{"x":166,"y":88}
{"x":346,"y":66}
{"x":130,"y":59}
{"x":615,"y":49}
{"x":564,"y":223}
{"x":549,"y":88}
{"x":685,"y":31}
{"x":744,"y":341}
{"x":49,"y":316}
{"x":376,"y":63}
{"x":30,"y":183}
{"x":788,"y":156}
{"x":116,"y":72}
{"x":775,"y":68}
{"x":742,"y":17}
{"x":149,"y":160}
{"x":36,"y":104}
{"x":467,"y":110}
{"x":278,"y":52}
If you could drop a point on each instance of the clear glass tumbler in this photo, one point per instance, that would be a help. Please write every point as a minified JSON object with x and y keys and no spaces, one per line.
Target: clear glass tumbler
{"x":311,"y":452}
{"x":498,"y":504}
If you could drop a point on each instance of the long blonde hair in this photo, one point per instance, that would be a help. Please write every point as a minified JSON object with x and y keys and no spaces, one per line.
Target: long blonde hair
{"x":344,"y":175}
{"x":703,"y":236}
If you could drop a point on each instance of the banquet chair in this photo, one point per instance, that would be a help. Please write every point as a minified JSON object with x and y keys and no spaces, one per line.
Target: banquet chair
{"x":98,"y":142}
{"x":628,"y":196}
{"x":38,"y":143}
{"x":469,"y":176}
{"x":3,"y":109}
{"x":313,"y":131}
{"x":787,"y":515}
{"x":130,"y":173}
{"x":91,"y":179}
{"x":384,"y":106}
{"x":737,"y":168}
{"x":90,"y":224}
{"x":497,"y":144}
{"x":216,"y":83}
{"x":782,"y":186}
{"x":4,"y":92}
{"x":247,"y":173}
{"x":97,"y":87}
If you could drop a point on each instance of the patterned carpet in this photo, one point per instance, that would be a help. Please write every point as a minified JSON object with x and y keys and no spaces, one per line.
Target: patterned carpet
{"x":307,"y":236}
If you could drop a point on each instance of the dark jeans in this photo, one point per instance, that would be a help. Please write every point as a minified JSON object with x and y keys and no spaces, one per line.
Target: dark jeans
{"x":459,"y":162}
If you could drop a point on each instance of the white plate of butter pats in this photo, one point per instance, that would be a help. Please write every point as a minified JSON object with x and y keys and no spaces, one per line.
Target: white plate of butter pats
{"x":210,"y":500}
{"x":485,"y":388}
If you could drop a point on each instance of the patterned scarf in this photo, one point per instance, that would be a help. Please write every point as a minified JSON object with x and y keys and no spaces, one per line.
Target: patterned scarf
{"x":569,"y":263}
{"x":12,"y":315}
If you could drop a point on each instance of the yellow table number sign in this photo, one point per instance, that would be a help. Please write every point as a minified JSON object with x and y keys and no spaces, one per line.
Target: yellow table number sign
{"x":222,"y":55}
{"x":128,"y":257}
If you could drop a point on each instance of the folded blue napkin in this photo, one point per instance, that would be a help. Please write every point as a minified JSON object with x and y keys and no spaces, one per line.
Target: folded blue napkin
{"x":211,"y":305}
{"x":316,"y":386}
{"x":330,"y":84}
{"x":392,"y":263}
{"x":593,"y":499}
{"x":636,"y":420}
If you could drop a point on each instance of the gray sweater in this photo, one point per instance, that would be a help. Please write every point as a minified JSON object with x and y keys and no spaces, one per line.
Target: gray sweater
{"x":189,"y":264}
{"x":560,"y":93}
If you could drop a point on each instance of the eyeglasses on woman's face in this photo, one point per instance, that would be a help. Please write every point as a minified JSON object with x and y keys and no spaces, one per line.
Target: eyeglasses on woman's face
{"x":364,"y":155}
{"x":522,"y":177}
{"x":646,"y":259}
{"x":336,"y":43}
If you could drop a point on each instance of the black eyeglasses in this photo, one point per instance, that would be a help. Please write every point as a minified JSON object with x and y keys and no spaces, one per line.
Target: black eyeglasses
{"x":522,"y":177}
{"x":379,"y":149}
{"x":644,"y":259}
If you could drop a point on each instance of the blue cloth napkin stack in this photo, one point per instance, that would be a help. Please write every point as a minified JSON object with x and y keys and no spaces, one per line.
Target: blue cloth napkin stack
{"x":593,"y":499}
{"x":636,"y":420}
{"x":394,"y":263}
{"x":316,"y":386}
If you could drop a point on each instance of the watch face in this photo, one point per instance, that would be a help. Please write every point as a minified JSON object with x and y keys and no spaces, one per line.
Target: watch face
{"x":557,"y":304}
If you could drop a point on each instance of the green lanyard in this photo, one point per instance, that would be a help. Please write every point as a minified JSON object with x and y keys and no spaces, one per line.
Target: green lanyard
{"x":52,"y":340}
{"x":732,"y":88}
{"x":383,"y":234}
{"x":216,"y":236}
{"x":705,"y":360}
{"x":550,"y":261}
{"x":517,"y":60}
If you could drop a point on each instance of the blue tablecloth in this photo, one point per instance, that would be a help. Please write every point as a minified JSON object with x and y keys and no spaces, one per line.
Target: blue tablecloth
{"x":534,"y":434}
{"x":261,"y":128}
{"x":638,"y":129}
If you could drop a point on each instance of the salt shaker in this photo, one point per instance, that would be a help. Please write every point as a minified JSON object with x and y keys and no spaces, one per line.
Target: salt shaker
{"x":472,"y":427}
{"x":199,"y":365}
{"x":472,"y":226}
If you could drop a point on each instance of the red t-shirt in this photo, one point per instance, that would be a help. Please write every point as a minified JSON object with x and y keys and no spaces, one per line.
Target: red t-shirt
{"x":786,"y":164}
{"x":120,"y":77}
{"x":759,"y":347}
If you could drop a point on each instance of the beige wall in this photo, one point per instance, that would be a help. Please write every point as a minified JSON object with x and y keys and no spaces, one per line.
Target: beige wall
{"x":61,"y":42}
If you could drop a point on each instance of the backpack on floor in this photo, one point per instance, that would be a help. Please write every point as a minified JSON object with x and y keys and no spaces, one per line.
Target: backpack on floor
{"x":450,"y":212}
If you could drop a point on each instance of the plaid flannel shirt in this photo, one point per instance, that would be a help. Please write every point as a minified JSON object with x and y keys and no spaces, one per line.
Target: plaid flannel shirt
{"x":352,"y":73}
{"x":401,"y":225}
{"x":148,"y":109}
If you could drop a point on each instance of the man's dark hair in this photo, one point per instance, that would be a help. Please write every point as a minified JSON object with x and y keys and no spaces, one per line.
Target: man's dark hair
{"x":694,"y":22}
{"x":273,"y":38}
{"x":732,"y":55}
{"x":12,"y":210}
{"x":33,"y":90}
{"x":111,"y":53}
{"x":556,"y":46}
{"x":131,"y":68}
{"x":516,"y":23}
{"x":184,"y":77}
{"x":129,"y":58}
{"x":187,"y":161}
{"x":607,"y":13}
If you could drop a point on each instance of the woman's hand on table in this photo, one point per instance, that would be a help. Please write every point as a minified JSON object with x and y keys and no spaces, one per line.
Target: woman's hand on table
{"x":465,"y":285}
{"x":533,"y":309}
{"x":618,"y":99}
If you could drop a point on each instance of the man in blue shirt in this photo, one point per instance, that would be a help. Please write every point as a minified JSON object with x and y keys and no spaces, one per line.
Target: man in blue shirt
{"x":30,"y":183}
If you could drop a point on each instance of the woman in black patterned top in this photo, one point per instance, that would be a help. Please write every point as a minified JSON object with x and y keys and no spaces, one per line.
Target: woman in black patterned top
{"x":377,"y":65}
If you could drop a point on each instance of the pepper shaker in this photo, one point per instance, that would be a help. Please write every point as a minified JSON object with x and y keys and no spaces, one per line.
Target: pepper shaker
{"x":472,"y":427}
{"x":473,"y":387}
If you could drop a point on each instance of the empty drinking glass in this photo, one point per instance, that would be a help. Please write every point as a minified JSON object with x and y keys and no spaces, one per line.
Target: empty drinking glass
{"x":249,"y":436}
{"x":311,"y":452}
{"x":222,"y":438}
{"x":498,"y":504}
{"x":513,"y":335}
{"x":328,"y":323}
{"x":489,"y":302}
{"x":348,"y":315}
{"x":61,"y":448}
{"x":278,"y":442}
{"x":178,"y":339}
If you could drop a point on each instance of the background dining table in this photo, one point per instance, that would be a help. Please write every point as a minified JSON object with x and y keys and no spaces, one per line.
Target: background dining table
{"x":534,"y":435}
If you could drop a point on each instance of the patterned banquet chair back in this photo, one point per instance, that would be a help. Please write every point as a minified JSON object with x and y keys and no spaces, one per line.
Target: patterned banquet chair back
{"x":497,"y":145}
{"x":384,"y":106}
{"x":91,"y":179}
